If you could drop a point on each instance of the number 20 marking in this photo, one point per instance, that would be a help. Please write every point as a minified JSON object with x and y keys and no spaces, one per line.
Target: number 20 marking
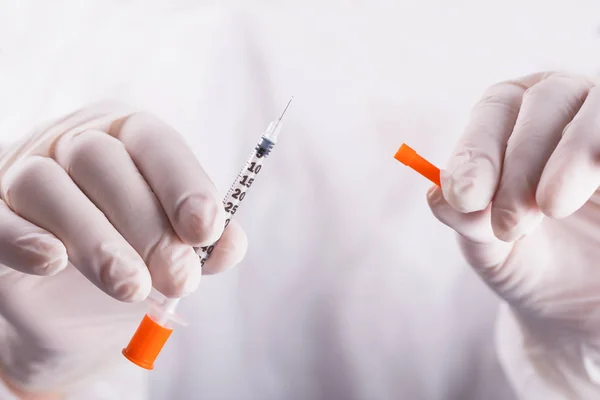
{"x":238,"y":194}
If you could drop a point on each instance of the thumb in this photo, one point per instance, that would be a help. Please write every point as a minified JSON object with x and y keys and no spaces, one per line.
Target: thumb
{"x":479,"y":245}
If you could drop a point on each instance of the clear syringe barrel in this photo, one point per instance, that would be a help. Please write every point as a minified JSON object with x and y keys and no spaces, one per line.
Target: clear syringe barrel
{"x":156,"y":326}
{"x":241,"y":185}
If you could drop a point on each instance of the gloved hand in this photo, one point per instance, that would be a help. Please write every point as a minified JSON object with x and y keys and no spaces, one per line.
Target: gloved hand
{"x":95,"y":209}
{"x":521,"y":191}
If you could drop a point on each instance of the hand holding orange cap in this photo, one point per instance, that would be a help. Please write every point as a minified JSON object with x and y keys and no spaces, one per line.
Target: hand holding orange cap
{"x":407,"y":156}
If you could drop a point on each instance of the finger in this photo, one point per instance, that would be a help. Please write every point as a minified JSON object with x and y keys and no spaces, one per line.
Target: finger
{"x":481,"y":248}
{"x":476,"y":225}
{"x":471,"y":178}
{"x":28,"y":248}
{"x":229,"y":250}
{"x":103,"y":170}
{"x":546,"y":110}
{"x":572,"y":174}
{"x":39,"y":190}
{"x":186,"y":193}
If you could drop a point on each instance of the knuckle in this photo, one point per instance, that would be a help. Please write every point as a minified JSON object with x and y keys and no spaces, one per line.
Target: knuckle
{"x":138,"y":121}
{"x":85,"y":141}
{"x":572,"y":80}
{"x":541,"y":90}
{"x":503,"y":97}
{"x":70,"y":150}
{"x":502,"y":94}
{"x":136,"y":128}
{"x":36,"y":166}
{"x":559,"y":88}
{"x":551,"y":87}
{"x":27,"y":171}
{"x":140,"y":118}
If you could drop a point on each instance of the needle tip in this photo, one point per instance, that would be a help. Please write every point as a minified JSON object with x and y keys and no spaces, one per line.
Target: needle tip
{"x":286,"y":107}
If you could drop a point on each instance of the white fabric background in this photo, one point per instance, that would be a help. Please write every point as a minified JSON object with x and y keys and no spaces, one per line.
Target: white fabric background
{"x":351,"y":289}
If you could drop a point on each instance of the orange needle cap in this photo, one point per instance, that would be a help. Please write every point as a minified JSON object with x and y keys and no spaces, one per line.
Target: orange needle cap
{"x":407,"y":156}
{"x":146,"y":343}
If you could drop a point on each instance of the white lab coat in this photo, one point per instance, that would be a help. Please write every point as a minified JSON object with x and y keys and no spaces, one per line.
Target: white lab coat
{"x":351,"y":289}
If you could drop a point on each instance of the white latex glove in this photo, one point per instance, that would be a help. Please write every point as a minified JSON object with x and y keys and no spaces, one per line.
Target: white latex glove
{"x":521,"y":190}
{"x":95,"y":209}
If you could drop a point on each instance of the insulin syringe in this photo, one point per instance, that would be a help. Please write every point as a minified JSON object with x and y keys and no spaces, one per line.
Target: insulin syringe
{"x":157,"y":324}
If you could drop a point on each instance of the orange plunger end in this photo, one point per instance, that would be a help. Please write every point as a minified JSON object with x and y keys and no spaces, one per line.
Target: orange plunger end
{"x":146,"y":343}
{"x":407,"y":156}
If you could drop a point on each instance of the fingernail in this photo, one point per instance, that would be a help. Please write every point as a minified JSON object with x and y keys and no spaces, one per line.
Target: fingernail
{"x":503,"y":223}
{"x":202,"y":217}
{"x":510,"y":226}
{"x":124,"y":276}
{"x":42,"y":244}
{"x":175,"y":267}
{"x":186,"y":269}
{"x":53,"y":267}
{"x":470,"y":186}
{"x":48,"y":254}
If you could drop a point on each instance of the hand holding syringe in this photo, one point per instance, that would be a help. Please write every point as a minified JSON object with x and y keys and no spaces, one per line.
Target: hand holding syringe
{"x":155,"y":328}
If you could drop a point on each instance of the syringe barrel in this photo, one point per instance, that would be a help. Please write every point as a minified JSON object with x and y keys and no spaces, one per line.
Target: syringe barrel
{"x":242,"y":183}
